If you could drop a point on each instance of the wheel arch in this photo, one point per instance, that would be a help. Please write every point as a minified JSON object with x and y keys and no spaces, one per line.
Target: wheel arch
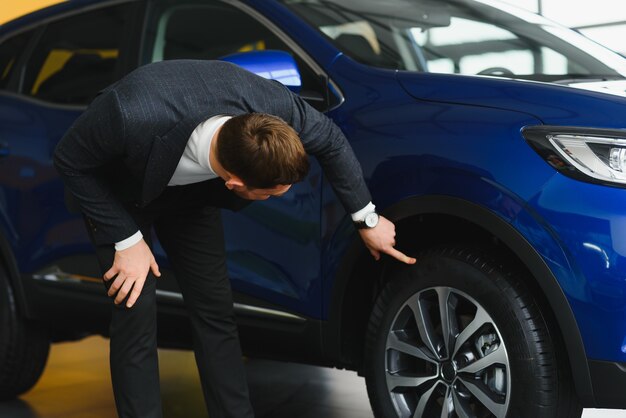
{"x":359,"y":279}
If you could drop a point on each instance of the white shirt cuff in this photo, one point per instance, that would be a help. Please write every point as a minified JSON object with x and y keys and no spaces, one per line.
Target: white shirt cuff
{"x":360,"y":215}
{"x":129,"y":242}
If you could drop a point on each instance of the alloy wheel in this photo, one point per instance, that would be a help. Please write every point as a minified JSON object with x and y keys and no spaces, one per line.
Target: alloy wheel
{"x":446,"y":358}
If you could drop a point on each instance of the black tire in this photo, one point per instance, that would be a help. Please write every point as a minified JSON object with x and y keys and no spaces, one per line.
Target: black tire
{"x":24,"y":346}
{"x":528,"y":373}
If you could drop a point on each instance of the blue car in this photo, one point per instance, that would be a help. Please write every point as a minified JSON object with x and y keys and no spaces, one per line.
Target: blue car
{"x":493,"y":138}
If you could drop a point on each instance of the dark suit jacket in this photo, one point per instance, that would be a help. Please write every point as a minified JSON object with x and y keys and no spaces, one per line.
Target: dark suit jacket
{"x":125,"y":147}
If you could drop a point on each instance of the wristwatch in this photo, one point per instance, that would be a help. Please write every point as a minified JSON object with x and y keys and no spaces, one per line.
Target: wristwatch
{"x":369,"y":222}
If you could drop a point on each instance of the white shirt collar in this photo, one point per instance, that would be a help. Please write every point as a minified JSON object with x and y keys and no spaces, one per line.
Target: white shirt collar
{"x":203,"y":137}
{"x":195,"y":165}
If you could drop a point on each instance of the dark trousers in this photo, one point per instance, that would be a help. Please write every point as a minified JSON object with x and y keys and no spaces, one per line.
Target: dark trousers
{"x":190,"y":232}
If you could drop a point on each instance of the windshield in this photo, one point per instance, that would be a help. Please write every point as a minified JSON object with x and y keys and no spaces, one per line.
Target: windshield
{"x":482,"y":37}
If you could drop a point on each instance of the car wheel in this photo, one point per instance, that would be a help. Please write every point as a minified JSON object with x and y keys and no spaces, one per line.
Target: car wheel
{"x":24,"y":346}
{"x":458,"y":335}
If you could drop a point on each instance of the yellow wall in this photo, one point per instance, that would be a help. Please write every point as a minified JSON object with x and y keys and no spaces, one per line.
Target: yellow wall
{"x":10,"y":9}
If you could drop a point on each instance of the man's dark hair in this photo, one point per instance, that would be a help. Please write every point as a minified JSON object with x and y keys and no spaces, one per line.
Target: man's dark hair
{"x":262,"y":150}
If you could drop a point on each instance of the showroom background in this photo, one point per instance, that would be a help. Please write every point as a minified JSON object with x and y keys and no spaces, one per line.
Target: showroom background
{"x":601,"y":20}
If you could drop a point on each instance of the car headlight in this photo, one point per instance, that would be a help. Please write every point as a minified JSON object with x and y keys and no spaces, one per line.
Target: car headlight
{"x":592,"y":155}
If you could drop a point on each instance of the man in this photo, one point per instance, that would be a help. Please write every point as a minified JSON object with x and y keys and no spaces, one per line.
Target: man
{"x":166,"y":147}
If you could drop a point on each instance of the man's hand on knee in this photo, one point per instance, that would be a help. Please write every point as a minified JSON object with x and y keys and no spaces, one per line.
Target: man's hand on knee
{"x":129,"y":271}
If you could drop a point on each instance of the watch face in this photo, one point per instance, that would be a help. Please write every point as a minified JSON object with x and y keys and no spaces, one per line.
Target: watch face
{"x":371,"y":220}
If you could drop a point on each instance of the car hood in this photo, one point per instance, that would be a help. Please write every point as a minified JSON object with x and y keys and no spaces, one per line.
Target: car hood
{"x":599,"y":104}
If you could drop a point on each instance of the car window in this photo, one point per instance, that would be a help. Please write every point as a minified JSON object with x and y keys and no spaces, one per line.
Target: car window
{"x":10,"y":52}
{"x":457,"y":36}
{"x":77,"y":56}
{"x":197,"y":30}
{"x":471,"y":46}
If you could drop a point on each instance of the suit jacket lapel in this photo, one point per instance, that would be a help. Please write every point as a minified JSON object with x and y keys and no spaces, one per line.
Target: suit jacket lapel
{"x":163,"y":159}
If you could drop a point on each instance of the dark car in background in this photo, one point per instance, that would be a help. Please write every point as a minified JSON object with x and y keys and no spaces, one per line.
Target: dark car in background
{"x":493,"y":138}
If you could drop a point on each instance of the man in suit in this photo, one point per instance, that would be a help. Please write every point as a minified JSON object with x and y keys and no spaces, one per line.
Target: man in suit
{"x":166,"y":147}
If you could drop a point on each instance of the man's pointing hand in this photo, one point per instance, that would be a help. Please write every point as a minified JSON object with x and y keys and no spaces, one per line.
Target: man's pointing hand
{"x":382,"y":239}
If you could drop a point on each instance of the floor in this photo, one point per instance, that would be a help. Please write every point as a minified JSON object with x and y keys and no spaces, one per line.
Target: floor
{"x":76,"y":384}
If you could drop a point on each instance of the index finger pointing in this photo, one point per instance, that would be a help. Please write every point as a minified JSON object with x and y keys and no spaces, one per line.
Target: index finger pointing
{"x":398,"y":255}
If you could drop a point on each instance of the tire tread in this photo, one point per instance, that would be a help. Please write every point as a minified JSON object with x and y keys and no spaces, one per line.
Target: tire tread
{"x":24,"y":347}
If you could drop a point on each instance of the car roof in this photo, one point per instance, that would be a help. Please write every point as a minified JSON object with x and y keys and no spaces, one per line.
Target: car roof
{"x":41,"y":14}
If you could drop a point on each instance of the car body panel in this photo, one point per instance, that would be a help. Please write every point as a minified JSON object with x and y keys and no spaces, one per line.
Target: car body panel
{"x":401,"y":154}
{"x":589,"y":224}
{"x":261,"y":237}
{"x":552,"y":104}
{"x":33,"y":193}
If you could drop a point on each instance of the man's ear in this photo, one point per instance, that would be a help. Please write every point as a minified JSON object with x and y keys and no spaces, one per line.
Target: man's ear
{"x":233,"y":181}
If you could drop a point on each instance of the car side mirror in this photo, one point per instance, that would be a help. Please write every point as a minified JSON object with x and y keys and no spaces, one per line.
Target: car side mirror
{"x":270,"y":64}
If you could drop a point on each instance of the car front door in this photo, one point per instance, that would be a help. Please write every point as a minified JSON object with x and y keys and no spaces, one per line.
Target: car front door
{"x":273,"y":246}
